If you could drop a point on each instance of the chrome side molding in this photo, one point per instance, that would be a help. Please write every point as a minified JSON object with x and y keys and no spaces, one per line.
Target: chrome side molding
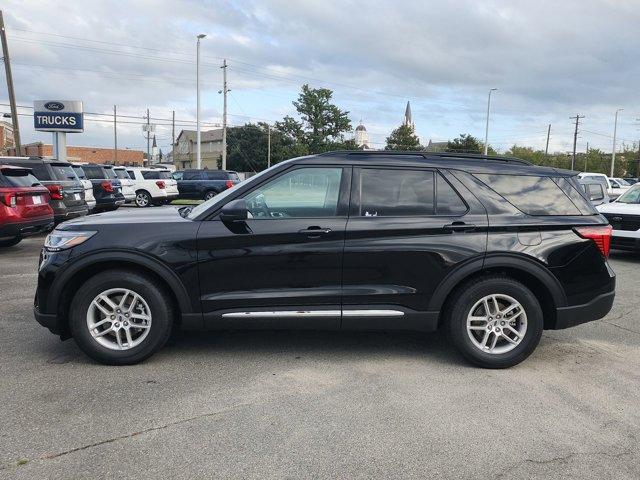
{"x":372,"y":313}
{"x":314,"y":313}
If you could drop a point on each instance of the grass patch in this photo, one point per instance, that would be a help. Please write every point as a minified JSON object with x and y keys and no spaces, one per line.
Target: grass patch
{"x":186,"y":202}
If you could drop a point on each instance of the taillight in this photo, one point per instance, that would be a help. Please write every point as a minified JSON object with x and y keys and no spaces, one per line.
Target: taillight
{"x":160,"y":184}
{"x":229,"y":184}
{"x":600,"y":234}
{"x":107,"y":186}
{"x":9,"y":199}
{"x":55,"y":191}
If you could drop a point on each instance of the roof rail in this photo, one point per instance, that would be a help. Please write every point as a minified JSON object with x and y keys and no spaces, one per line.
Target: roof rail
{"x":426,"y":155}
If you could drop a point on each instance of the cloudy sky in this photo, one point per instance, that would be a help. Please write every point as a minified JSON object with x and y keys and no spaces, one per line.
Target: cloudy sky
{"x":549,"y":59}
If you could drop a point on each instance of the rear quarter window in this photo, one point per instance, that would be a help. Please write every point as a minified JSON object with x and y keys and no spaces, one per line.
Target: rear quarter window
{"x":533,"y":195}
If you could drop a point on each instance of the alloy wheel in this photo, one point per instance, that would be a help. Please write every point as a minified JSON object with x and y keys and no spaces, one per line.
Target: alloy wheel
{"x":119,"y":319}
{"x":142,"y":199}
{"x":497,"y":324}
{"x":209,"y":195}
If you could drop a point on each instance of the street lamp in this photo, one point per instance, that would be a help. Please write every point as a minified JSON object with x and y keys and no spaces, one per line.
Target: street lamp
{"x":198,"y":153}
{"x":615,"y":131}
{"x":486,"y":132}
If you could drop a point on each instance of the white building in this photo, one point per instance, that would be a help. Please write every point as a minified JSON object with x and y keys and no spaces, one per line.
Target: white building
{"x":362,"y":137}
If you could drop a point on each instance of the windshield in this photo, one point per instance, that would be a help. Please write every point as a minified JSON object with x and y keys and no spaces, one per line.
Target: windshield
{"x":630,"y":196}
{"x":121,"y":173}
{"x":203,"y":207}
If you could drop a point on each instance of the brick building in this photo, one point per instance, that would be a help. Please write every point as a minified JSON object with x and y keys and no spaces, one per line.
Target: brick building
{"x":6,"y":136}
{"x":83,"y":154}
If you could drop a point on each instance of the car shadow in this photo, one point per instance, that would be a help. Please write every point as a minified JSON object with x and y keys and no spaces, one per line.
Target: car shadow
{"x":624,"y":255}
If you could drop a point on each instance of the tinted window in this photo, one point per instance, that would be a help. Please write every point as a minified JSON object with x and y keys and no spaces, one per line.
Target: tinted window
{"x":79,"y":172}
{"x":595,"y":178}
{"x":156,"y":174}
{"x":630,"y":196}
{"x":18,"y":178}
{"x":177,"y":175}
{"x":109,"y":172}
{"x":193,"y":175}
{"x":215,"y":175}
{"x":396,"y":192}
{"x":40,"y":171}
{"x":132,"y":174}
{"x":305,"y":192}
{"x":63,"y":171}
{"x":234,"y":176}
{"x":448,"y":202}
{"x":570,"y":188}
{"x":94,"y":172}
{"x":532,"y":195}
{"x":120,"y":173}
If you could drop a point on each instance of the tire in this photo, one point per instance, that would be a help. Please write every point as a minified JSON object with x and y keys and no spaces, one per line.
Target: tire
{"x":209,"y":195}
{"x":145,"y":341}
{"x":11,"y":242}
{"x":143,"y":198}
{"x":524,"y":328}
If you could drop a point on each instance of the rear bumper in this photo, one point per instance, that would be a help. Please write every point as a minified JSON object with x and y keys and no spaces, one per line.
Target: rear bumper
{"x":575,"y":315}
{"x":27,"y":228}
{"x":67,"y":213}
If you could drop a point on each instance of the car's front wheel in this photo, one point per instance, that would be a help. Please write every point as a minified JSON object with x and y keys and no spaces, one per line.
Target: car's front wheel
{"x":494,"y":322}
{"x":143,"y":199}
{"x":120,"y":317}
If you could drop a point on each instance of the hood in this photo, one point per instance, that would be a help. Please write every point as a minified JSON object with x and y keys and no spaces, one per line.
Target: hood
{"x":616,"y":207}
{"x":127,"y":216}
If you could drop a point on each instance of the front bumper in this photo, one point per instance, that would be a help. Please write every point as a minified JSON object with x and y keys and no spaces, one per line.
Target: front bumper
{"x":48,"y":320}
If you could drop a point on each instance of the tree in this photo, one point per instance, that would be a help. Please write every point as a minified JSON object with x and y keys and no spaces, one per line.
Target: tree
{"x":403,"y":138}
{"x":465,"y":143}
{"x":322,"y":124}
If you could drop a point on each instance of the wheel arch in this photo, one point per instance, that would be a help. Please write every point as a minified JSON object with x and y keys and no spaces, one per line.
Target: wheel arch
{"x":69,"y":281}
{"x":544,"y":285}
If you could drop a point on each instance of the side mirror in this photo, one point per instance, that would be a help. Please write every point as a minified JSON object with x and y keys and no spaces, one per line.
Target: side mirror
{"x":235,"y":211}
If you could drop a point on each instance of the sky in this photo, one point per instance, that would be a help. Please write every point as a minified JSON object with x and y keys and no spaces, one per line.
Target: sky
{"x":549,"y":60}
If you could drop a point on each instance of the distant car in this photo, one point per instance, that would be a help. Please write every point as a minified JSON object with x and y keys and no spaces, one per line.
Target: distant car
{"x":106,"y":187}
{"x":613,"y":187}
{"x":88,"y":187}
{"x":595,"y":192}
{"x":631,"y":180}
{"x":153,"y":186}
{"x":66,"y":192}
{"x":204,"y":184}
{"x":624,"y":216}
{"x":127,"y":184}
{"x":24,"y":205}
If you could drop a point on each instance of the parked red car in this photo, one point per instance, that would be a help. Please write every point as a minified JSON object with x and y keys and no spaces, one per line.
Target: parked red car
{"x":24,"y":205}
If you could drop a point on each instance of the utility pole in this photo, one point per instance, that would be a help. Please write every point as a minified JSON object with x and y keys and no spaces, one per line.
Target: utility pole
{"x":575,"y":139}
{"x":546,"y":150}
{"x":198,"y":141}
{"x":585,"y":158}
{"x":148,"y":138}
{"x":615,"y":131}
{"x":115,"y":136}
{"x":224,"y":114}
{"x":486,"y":132}
{"x":268,"y":145}
{"x":12,"y":95}
{"x":173,"y":135}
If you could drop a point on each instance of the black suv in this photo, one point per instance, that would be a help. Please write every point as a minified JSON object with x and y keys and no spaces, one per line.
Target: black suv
{"x":204,"y":184}
{"x":107,"y":189}
{"x":492,"y":250}
{"x":65,"y":189}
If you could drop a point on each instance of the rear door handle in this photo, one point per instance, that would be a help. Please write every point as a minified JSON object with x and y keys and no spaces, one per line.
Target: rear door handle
{"x":315,"y":232}
{"x":459,"y":227}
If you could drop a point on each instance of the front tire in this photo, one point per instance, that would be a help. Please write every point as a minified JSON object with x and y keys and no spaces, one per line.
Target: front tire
{"x":120,"y":317}
{"x":494,"y":322}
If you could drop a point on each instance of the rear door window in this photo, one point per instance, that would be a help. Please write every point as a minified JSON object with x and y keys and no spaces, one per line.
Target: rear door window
{"x":156,"y":175}
{"x":215,"y":175}
{"x":191,"y":175}
{"x":396,"y":193}
{"x":533,"y":195}
{"x":122,"y":174}
{"x":448,"y":202}
{"x":109,"y":173}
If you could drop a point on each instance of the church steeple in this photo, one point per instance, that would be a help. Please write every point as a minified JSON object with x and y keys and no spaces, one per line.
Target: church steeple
{"x":408,"y":120}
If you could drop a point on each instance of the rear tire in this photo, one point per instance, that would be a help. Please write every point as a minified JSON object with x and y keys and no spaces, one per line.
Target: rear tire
{"x":209,"y":195}
{"x":11,"y":242}
{"x":514,"y":319}
{"x":143,"y":198}
{"x":113,"y":339}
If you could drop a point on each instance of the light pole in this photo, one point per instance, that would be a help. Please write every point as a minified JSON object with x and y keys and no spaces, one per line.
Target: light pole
{"x":486,"y":132}
{"x":615,"y":131}
{"x":198,"y":153}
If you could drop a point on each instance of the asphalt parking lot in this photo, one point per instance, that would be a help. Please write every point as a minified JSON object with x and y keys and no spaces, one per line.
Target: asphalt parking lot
{"x":318,"y":405}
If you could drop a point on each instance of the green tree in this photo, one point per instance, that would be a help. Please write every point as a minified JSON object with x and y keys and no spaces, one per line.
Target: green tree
{"x":322,"y":124}
{"x":403,"y":138}
{"x":465,"y":143}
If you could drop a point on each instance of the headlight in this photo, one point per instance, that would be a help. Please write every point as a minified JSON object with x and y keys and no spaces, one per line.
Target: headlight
{"x":63,"y":239}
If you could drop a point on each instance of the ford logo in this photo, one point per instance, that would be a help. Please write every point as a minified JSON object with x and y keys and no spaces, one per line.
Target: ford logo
{"x":54,"y":106}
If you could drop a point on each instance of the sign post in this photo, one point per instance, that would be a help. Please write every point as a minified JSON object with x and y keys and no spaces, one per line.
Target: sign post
{"x":59,"y":117}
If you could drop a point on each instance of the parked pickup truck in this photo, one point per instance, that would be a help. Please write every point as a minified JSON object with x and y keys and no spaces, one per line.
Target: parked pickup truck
{"x":204,"y":184}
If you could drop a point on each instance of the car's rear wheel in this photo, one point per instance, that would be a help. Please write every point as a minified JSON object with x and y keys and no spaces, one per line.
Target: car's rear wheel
{"x":10,"y":242}
{"x":120,"y":317}
{"x":209,"y":195}
{"x":143,"y":199}
{"x":495,"y":322}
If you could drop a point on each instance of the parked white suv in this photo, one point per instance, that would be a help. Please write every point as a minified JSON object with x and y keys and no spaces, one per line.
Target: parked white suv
{"x":128,"y":189}
{"x":88,"y":186}
{"x":614,"y":187}
{"x":624,"y":216}
{"x":153,"y":186}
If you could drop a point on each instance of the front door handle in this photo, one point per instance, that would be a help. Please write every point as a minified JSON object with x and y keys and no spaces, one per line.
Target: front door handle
{"x":315,"y":232}
{"x":459,"y":227}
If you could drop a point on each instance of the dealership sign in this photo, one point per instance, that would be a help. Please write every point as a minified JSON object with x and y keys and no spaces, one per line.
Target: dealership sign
{"x":58,"y":116}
